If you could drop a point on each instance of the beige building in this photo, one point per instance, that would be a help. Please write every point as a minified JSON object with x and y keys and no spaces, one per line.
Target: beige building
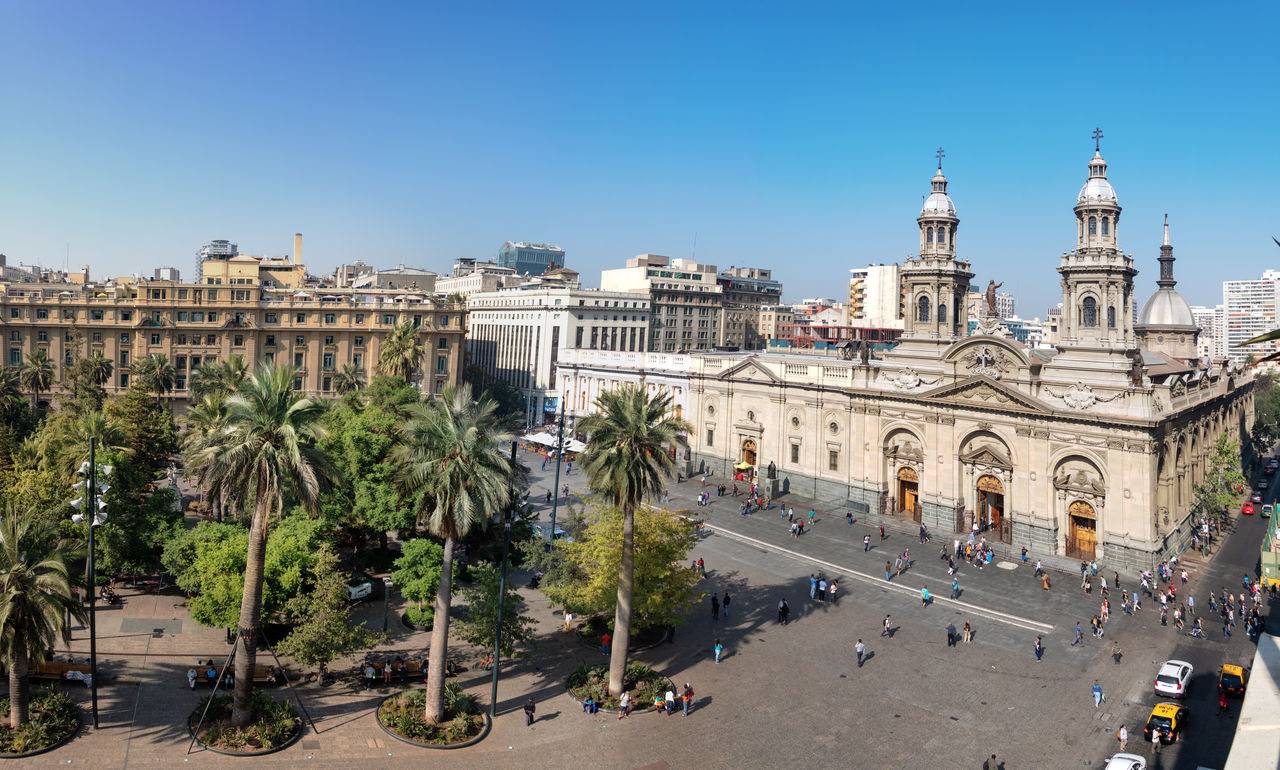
{"x":875,"y":297}
{"x":236,"y":311}
{"x":772,"y":319}
{"x":685,"y":298}
{"x":1088,"y":451}
{"x":746,"y":291}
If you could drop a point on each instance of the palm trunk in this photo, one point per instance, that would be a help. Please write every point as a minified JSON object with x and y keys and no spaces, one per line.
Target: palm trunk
{"x":440,"y":638}
{"x":18,"y":712}
{"x":622,"y":619}
{"x":250,"y":610}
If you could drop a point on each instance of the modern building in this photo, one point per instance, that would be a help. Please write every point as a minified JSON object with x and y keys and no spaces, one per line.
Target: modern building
{"x":168,"y":274}
{"x":875,"y":296}
{"x":407,"y":279}
{"x":530,"y":258}
{"x":1209,"y":344}
{"x":773,"y":318}
{"x":218,"y":249}
{"x":517,"y":335}
{"x":1005,"y":305}
{"x":317,"y":330}
{"x":245,"y":270}
{"x":745,"y":291}
{"x":470,"y":277}
{"x":1086,"y":452}
{"x":1249,"y":309}
{"x":686,"y":299}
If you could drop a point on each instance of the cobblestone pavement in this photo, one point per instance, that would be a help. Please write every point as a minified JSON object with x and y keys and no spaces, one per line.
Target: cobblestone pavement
{"x":780,"y":695}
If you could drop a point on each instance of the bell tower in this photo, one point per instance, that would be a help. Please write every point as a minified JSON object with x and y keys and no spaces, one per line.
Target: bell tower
{"x":935,"y":284}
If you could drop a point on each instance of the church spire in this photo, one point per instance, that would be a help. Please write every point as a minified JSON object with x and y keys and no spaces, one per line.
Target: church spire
{"x":1166,"y":280}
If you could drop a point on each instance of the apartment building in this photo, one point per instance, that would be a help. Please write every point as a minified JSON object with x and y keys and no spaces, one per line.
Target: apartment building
{"x":318,"y":330}
{"x":745,"y":291}
{"x":517,"y":335}
{"x":685,"y":298}
{"x":875,"y":297}
{"x":772,"y":318}
{"x":1249,"y":309}
{"x":1210,"y":343}
{"x":471,"y":277}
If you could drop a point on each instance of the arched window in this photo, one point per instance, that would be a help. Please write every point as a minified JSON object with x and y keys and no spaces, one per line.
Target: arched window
{"x":942,"y":235}
{"x":1111,"y":313}
{"x":1093,"y":225}
{"x":942,"y":313}
{"x":928,"y":237}
{"x":922,"y":315}
{"x":1089,"y":312}
{"x":1105,"y":228}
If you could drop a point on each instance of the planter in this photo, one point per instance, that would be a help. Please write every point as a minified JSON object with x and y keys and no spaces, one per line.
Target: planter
{"x":64,"y":740}
{"x":216,"y":712}
{"x":646,"y":640}
{"x":596,"y":676}
{"x":484,"y":731}
{"x":404,"y":620}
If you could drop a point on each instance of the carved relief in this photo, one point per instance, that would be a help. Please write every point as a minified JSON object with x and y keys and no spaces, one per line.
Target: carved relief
{"x":909,"y":379}
{"x":981,"y":360}
{"x":1080,"y":396}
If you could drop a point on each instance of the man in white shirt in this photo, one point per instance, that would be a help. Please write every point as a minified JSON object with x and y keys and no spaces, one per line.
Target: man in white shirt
{"x":860,"y":648}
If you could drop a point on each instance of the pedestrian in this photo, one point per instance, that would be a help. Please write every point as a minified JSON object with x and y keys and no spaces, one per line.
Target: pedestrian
{"x":811,"y":517}
{"x":191,"y":678}
{"x":1079,"y":635}
{"x":726,"y":605}
{"x":955,"y":588}
{"x":1044,"y":581}
{"x":813,"y":585}
{"x":897,"y":566}
{"x":1184,"y":576}
{"x":568,"y":621}
{"x":669,"y":702}
{"x":848,"y":516}
{"x":822,"y":590}
{"x":924,"y":596}
{"x":951,"y":635}
{"x":715,"y":607}
{"x":1122,"y":735}
{"x":888,"y":570}
{"x":860,"y":648}
{"x":784,"y":612}
{"x":624,"y":705}
{"x":968,"y":632}
{"x":529,"y":708}
{"x":1039,"y":648}
{"x":866,"y":543}
{"x":1222,"y":703}
{"x":719,"y":649}
{"x":1116,"y":582}
{"x":1116,"y":651}
{"x":888,"y":626}
{"x":1024,"y":554}
{"x":882,"y":533}
{"x":791,"y":514}
{"x":548,"y":495}
{"x":794,"y":529}
{"x":687,"y":697}
{"x":589,"y":706}
{"x":1098,"y":695}
{"x":991,"y":764}
{"x":604,"y":643}
{"x":922,"y":533}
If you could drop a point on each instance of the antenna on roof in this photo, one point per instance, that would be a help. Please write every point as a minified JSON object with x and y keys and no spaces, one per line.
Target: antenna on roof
{"x":695,"y":246}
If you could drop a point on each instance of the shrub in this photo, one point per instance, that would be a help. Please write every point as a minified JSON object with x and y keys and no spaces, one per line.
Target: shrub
{"x":274,"y":723}
{"x":53,"y":717}
{"x":592,"y":680}
{"x":404,"y":716}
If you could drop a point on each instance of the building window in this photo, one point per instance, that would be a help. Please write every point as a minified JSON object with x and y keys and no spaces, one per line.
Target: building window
{"x":300,"y":318}
{"x":155,"y":339}
{"x":182,"y":293}
{"x":327,"y":362}
{"x":942,"y":235}
{"x":928,"y":237}
{"x":439,"y":387}
{"x":299,"y":340}
{"x":126,"y":315}
{"x":273,"y":318}
{"x":197,"y":317}
{"x":359,"y":340}
{"x":124,"y":380}
{"x":442,"y":365}
{"x":795,"y":453}
{"x":711,"y":436}
{"x":180,"y":382}
{"x":124,"y":358}
{"x":1111,"y":314}
{"x":1089,"y":313}
{"x":388,"y":319}
{"x":330,"y":318}
{"x":211,"y":339}
{"x":180,"y":363}
{"x":1093,"y":225}
{"x":922,"y":313}
{"x":444,"y":321}
{"x":15,"y":313}
{"x":1104,"y":226}
{"x":359,"y":318}
{"x":15,"y":357}
{"x":271,"y":340}
{"x":42,"y":336}
{"x":124,"y":336}
{"x":942,"y":313}
{"x":270,"y":358}
{"x":833,"y":460}
{"x":326,"y":384}
{"x":15,"y":336}
{"x":297,"y":383}
{"x":443,"y":344}
{"x":328,"y":339}
{"x":213,"y":318}
{"x":95,"y":315}
{"x":358,"y":359}
{"x":237,"y":340}
{"x":182,"y":316}
{"x":182,"y":339}
{"x":212,"y":294}
{"x":297,"y":360}
{"x":41,"y":314}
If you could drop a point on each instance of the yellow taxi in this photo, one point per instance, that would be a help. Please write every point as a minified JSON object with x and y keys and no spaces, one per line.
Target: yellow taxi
{"x":1232,"y":680}
{"x":1169,"y":719}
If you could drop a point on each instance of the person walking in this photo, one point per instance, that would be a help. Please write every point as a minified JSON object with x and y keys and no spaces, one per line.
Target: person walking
{"x":888,"y":626}
{"x":529,"y":708}
{"x":882,"y":533}
{"x":831,"y":591}
{"x":860,"y":649}
{"x":715,"y":607}
{"x":1223,"y":707}
{"x":1039,"y":648}
{"x":719,"y":649}
{"x":822,"y":589}
{"x":866,"y":543}
{"x":687,"y":697}
{"x":1122,"y":735}
{"x":784,"y":612}
{"x":604,"y":643}
{"x":1098,"y":695}
{"x":624,"y":705}
{"x":1079,"y":635}
{"x":951,"y":635}
{"x":568,"y":621}
{"x":924,"y":596}
{"x":888,"y":570}
{"x":848,"y":516}
{"x":955,"y":588}
{"x":813,"y":585}
{"x":1116,"y":651}
{"x":968,"y":632}
{"x":725,"y":604}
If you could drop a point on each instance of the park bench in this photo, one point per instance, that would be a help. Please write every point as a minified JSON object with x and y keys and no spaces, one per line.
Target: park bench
{"x":55,"y":670}
{"x":261,"y":674}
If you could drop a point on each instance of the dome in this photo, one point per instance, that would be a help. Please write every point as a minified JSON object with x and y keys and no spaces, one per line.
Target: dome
{"x":1166,"y":308}
{"x":1097,"y":188}
{"x":938,"y":204}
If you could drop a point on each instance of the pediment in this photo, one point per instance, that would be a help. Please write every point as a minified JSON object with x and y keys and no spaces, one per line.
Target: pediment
{"x":987,"y":455}
{"x":984,"y":391}
{"x":750,"y":370}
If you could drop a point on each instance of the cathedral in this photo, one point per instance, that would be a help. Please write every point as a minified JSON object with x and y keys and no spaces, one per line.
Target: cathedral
{"x":1090,"y":450}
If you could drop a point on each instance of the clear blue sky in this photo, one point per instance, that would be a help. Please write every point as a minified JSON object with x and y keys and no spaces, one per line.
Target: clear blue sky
{"x":799,"y":139}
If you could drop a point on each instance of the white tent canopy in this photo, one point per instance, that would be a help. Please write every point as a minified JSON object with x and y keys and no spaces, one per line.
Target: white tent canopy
{"x":575,"y":446}
{"x":546,"y":439}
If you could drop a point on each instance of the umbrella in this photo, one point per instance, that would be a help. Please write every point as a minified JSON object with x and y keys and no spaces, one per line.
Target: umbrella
{"x":743,"y":466}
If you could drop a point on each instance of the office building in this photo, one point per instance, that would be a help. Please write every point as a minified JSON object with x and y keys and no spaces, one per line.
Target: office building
{"x":1005,"y":305}
{"x":1209,"y":320}
{"x":685,"y":299}
{"x":875,"y":297}
{"x":745,"y":291}
{"x":530,"y":258}
{"x":218,"y":249}
{"x":471,"y":277}
{"x":1249,"y":309}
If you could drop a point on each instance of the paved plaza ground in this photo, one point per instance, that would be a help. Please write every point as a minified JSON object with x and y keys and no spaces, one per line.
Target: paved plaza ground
{"x":781,"y":695}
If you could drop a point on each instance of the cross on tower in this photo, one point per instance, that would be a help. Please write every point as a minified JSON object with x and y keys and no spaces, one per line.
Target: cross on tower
{"x":940,"y":155}
{"x":1097,"y":135}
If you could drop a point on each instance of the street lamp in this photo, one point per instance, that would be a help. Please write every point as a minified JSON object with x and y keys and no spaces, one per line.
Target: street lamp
{"x":502,"y":589}
{"x":91,"y":502}
{"x":386,"y":593}
{"x":555,"y":494}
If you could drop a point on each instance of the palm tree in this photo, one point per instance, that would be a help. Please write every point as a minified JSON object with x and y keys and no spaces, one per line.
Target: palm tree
{"x":222,"y":377}
{"x":157,"y":374}
{"x":90,"y":425}
{"x":267,"y":450}
{"x":35,"y":599}
{"x":350,"y":379}
{"x":10,"y":392}
{"x":100,"y":367}
{"x":451,"y":465}
{"x":206,"y":420}
{"x":401,"y":352}
{"x":37,"y":373}
{"x":626,"y":461}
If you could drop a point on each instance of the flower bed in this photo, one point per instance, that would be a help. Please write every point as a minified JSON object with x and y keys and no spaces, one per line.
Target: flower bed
{"x":275,"y":725}
{"x":592,"y":680}
{"x":54,"y":719}
{"x":403,"y":716}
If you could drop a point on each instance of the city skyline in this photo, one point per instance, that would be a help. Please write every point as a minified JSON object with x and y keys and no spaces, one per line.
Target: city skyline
{"x":798,"y":142}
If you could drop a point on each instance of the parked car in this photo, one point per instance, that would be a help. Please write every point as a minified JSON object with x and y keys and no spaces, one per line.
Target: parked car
{"x":1263,"y":483}
{"x":1168,"y":719}
{"x":1233,"y":679}
{"x":1174,"y":678}
{"x":559,"y":534}
{"x":1256,"y":497}
{"x":1126,"y":762}
{"x":1247,"y":509}
{"x":1266,"y":511}
{"x":360,"y":587}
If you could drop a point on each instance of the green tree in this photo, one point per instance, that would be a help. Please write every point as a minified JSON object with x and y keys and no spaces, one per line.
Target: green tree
{"x":351,"y":379}
{"x":206,"y":419}
{"x":666,"y":586}
{"x":155,"y":373}
{"x":35,"y":599}
{"x":626,"y":461}
{"x":324,"y":630}
{"x":454,"y":471}
{"x":1222,"y":477}
{"x":509,"y":400}
{"x":37,"y":375}
{"x":401,"y":352}
{"x":267,"y":451}
{"x":100,"y":367}
{"x":218,"y":378}
{"x":481,"y":623}
{"x":150,"y":436}
{"x":418,"y":575}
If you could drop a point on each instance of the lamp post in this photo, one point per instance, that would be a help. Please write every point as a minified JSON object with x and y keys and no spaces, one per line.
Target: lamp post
{"x":555,"y":492}
{"x":386,"y":595}
{"x":92,"y":502}
{"x":502,"y":590}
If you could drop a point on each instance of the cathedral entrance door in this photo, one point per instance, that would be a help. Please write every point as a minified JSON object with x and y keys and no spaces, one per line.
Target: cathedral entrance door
{"x":991,"y":508}
{"x":908,"y":491}
{"x":1083,"y":536}
{"x":749,"y":452}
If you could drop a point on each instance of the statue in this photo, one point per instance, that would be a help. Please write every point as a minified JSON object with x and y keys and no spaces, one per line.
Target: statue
{"x":991,"y":296}
{"x":864,"y":352}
